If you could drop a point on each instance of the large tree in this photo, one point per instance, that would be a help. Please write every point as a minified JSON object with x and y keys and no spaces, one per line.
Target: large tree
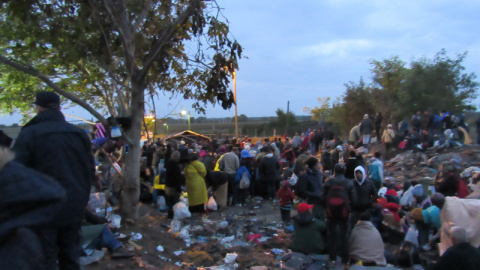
{"x":111,"y":56}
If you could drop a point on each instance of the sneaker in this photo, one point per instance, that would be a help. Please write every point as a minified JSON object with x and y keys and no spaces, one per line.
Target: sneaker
{"x":121,"y":252}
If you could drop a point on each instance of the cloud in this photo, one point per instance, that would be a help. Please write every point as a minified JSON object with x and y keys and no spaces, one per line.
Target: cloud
{"x":338,"y":48}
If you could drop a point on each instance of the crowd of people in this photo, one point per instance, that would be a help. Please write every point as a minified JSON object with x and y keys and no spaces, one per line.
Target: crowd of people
{"x":345,"y":205}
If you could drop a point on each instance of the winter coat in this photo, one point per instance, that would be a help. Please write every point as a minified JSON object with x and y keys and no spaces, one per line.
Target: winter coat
{"x":173,"y":176}
{"x":366,"y":127}
{"x":459,"y":257}
{"x":365,"y":191}
{"x":308,"y":237}
{"x":28,"y":199}
{"x":285,"y":196}
{"x":50,"y":145}
{"x":350,"y":166}
{"x":388,"y":136}
{"x":195,"y":173}
{"x":312,"y":185}
{"x":375,"y":170}
{"x":354,"y":134}
{"x":240,"y":172}
{"x":215,"y":179}
{"x":269,"y":168}
{"x":339,"y":180}
{"x":229,"y":163}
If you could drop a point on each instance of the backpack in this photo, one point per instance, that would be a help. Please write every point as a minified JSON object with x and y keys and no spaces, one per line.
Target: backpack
{"x":245,"y":181}
{"x":337,"y":206}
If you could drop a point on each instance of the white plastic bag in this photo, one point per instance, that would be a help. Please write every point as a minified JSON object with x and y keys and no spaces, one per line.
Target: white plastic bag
{"x":293,"y":180}
{"x":245,"y":181}
{"x":212,"y":204}
{"x":161,"y":203}
{"x":180,"y":211}
{"x":411,"y":235}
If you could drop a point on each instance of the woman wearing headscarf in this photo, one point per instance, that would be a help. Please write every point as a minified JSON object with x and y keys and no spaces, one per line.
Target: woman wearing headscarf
{"x":195,"y":173}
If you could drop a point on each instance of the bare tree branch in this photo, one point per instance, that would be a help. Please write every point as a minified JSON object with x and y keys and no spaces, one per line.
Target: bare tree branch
{"x":34,"y":72}
{"x":141,"y":18}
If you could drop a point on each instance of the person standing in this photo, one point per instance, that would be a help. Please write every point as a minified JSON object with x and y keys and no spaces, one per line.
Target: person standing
{"x":366,"y":128}
{"x":375,"y":170}
{"x":388,"y":138}
{"x":229,"y":164}
{"x":50,"y":145}
{"x":174,"y":180}
{"x":269,"y":171}
{"x":195,"y":173}
{"x":378,"y":125}
{"x":366,"y":195}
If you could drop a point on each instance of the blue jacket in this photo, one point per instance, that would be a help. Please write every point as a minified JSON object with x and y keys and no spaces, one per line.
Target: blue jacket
{"x":240,"y":172}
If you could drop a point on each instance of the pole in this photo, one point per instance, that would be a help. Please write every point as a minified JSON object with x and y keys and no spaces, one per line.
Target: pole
{"x":188,"y":121}
{"x":235,"y":99}
{"x":288,"y":116}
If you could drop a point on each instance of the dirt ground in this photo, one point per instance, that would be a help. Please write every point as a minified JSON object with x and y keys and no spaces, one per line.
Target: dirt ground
{"x":256,"y":217}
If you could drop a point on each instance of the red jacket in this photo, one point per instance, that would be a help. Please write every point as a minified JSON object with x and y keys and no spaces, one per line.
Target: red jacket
{"x":285,"y":195}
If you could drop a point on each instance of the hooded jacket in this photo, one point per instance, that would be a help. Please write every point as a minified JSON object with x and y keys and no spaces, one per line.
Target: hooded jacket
{"x":365,"y":191}
{"x":269,"y":168}
{"x":28,"y":200}
{"x":308,"y":234}
{"x":312,"y":185}
{"x":50,"y":145}
{"x":339,"y":180}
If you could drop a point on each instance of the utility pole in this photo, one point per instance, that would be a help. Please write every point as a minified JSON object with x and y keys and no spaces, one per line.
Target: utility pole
{"x":288,"y":116}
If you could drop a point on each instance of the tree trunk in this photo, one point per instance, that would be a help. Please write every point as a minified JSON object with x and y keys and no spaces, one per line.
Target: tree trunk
{"x":131,"y":181}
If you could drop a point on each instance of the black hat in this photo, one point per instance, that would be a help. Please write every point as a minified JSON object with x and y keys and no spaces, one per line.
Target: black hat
{"x":47,"y":100}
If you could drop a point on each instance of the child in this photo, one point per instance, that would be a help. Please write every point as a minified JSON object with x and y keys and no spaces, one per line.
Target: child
{"x":285,"y":195}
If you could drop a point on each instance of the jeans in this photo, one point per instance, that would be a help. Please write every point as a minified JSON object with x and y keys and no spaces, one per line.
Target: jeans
{"x":338,"y":239}
{"x":171,"y":198}
{"x":286,"y":217}
{"x":271,"y":190}
{"x":106,"y":239}
{"x":62,"y":243}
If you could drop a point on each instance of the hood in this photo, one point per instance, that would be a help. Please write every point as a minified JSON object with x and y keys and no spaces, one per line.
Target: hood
{"x":359,"y":168}
{"x":5,"y":157}
{"x":304,"y":218}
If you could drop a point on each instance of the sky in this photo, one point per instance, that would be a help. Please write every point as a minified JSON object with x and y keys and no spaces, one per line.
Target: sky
{"x":300,"y":51}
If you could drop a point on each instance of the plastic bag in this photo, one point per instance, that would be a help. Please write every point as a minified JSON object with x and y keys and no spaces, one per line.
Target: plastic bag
{"x":180,"y":211}
{"x":293,"y":180}
{"x":245,"y":181}
{"x":161,"y":203}
{"x":411,"y":236}
{"x":212,"y":204}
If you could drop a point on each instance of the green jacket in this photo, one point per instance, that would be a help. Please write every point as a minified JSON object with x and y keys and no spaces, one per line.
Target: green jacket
{"x":308,"y":237}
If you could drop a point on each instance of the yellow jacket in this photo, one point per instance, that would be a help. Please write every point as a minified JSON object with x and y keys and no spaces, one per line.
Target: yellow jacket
{"x":195,"y":173}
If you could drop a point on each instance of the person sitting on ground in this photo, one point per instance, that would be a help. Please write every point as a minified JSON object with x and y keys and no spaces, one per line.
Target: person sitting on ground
{"x":391,"y":217}
{"x":308,"y":232}
{"x":366,"y":244}
{"x":97,"y":235}
{"x":462,"y":255}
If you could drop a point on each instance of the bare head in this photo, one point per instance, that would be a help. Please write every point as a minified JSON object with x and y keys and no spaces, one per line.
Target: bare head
{"x":458,"y":235}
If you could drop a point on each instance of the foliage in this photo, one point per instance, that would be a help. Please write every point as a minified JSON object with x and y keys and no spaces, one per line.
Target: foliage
{"x":398,"y":91}
{"x":93,"y":49}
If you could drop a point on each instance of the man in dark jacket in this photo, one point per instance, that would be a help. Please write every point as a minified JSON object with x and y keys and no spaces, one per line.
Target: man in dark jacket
{"x":312,"y":182}
{"x":269,"y":171}
{"x":366,"y":195}
{"x":351,"y":164}
{"x":58,"y":149}
{"x":462,"y":255}
{"x":366,"y":129}
{"x":28,"y":200}
{"x":338,"y":228}
{"x":173,"y":182}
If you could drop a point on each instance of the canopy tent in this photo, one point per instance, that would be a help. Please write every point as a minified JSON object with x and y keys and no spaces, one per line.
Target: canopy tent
{"x":188,"y":136}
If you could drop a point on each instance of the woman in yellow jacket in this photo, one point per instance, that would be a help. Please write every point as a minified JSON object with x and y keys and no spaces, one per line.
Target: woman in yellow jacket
{"x":195,"y":173}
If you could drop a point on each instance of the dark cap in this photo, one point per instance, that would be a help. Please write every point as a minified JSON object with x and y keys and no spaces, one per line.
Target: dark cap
{"x":47,"y":100}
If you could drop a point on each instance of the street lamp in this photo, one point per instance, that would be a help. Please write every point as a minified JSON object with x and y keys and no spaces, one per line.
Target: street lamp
{"x":166,"y":125}
{"x":234,"y":78}
{"x":183,"y":113}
